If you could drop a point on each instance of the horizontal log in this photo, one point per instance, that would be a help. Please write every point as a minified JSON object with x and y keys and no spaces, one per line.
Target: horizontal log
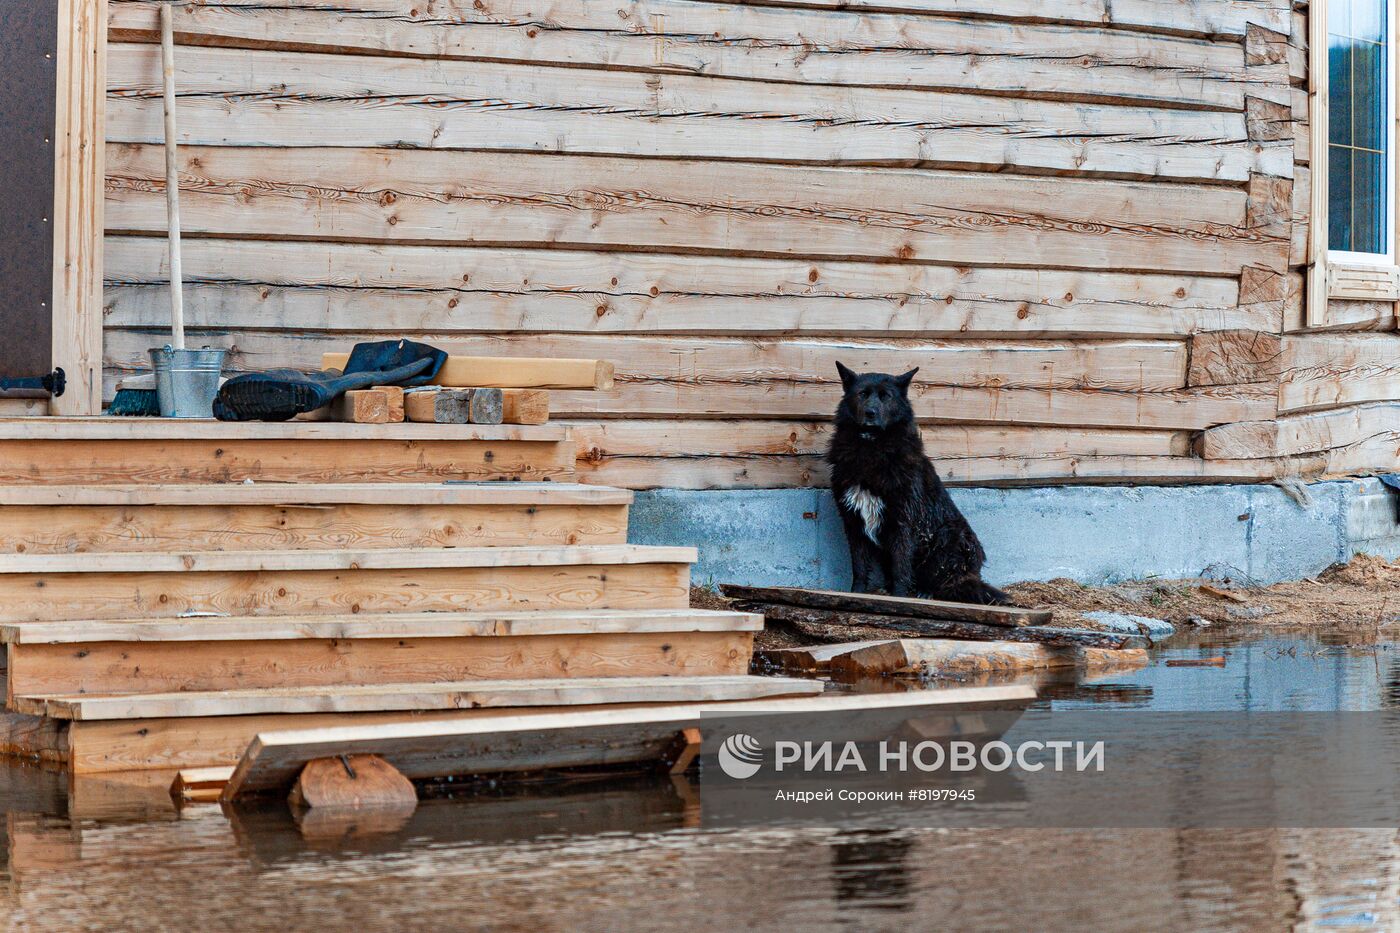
{"x":399,"y":24}
{"x":889,"y":605}
{"x":682,"y":365}
{"x":942,"y":658}
{"x":1346,"y":435}
{"x":309,"y":286}
{"x":836,"y":620}
{"x":837,"y":46}
{"x":241,"y":98}
{"x":678,"y":206}
{"x":1330,"y":370}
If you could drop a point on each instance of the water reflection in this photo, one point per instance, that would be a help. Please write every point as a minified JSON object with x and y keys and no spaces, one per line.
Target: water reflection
{"x":117,"y":853}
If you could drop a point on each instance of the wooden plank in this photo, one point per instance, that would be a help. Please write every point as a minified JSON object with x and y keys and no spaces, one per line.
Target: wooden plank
{"x":473,"y":694}
{"x":559,"y":739}
{"x":303,"y":286}
{"x":200,"y":784}
{"x":330,"y":669}
{"x":39,"y":529}
{"x":252,"y":98}
{"x":383,"y":559}
{"x":682,"y":206}
{"x":756,"y":42}
{"x":836,"y":625}
{"x":938,"y":658}
{"x":394,"y":626}
{"x":192,"y":460}
{"x":79,"y":159}
{"x":1008,"y":616}
{"x":74,"y":596}
{"x":1330,"y":370}
{"x":501,"y":372}
{"x":113,"y":429}
{"x":401,"y":494}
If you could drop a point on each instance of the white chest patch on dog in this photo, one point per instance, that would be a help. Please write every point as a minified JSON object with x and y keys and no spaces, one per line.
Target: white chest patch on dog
{"x":870,"y":508}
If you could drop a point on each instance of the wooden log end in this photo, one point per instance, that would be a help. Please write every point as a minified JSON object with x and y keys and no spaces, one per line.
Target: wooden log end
{"x":485,"y":406}
{"x":352,"y":782}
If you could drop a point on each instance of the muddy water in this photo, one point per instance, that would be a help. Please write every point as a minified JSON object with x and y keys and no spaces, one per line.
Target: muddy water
{"x":114,"y":854}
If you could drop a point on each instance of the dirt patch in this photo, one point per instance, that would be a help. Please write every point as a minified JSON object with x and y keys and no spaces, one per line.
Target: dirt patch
{"x":1363,"y":594}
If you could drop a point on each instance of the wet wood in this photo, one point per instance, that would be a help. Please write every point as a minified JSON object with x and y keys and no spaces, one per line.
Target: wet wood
{"x":200,"y":785}
{"x":1008,"y":616}
{"x":682,"y":752}
{"x":838,"y":624}
{"x":811,"y":659}
{"x":262,"y":99}
{"x":684,"y":206}
{"x":352,"y":782}
{"x":938,"y":658}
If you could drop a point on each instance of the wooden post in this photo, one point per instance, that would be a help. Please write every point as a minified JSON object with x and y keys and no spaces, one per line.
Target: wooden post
{"x":80,"y":129}
{"x":172,"y":178}
{"x":1315,"y":299}
{"x":682,"y":752}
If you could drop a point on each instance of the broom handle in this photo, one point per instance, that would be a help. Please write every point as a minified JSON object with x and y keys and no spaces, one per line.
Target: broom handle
{"x":172,"y":177}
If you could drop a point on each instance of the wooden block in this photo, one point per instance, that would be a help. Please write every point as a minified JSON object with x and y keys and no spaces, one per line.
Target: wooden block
{"x":363,"y":406}
{"x":682,"y":752}
{"x":200,"y":785}
{"x":1233,"y":357}
{"x":471,"y":372}
{"x":814,"y":659}
{"x":485,"y":406}
{"x":394,"y":398}
{"x":439,"y":406}
{"x":352,"y":782}
{"x":524,"y":406}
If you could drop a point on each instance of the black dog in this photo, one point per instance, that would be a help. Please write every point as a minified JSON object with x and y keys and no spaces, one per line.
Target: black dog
{"x":900,"y":522}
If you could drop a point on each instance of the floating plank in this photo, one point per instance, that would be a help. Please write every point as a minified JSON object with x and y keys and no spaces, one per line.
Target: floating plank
{"x":938,"y":658}
{"x":143,"y":667}
{"x":1007,"y":616}
{"x":392,"y":626}
{"x":200,"y":784}
{"x":684,"y":206}
{"x":1330,"y":370}
{"x":237,"y":97}
{"x":467,"y":694}
{"x":513,"y":373}
{"x":837,"y":47}
{"x":835,"y":621}
{"x":308,"y":286}
{"x":495,"y":743}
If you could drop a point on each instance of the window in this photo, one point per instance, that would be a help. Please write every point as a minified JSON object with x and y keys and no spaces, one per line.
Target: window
{"x":1361,"y":131}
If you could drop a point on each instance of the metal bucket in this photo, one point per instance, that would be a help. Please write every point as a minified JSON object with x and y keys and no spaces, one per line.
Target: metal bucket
{"x":187,"y":380}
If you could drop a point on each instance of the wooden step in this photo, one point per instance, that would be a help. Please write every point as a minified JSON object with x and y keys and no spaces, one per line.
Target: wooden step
{"x":264,"y":516}
{"x":472,"y":694}
{"x":282,"y":651}
{"x":166,"y":584}
{"x":154,"y":450}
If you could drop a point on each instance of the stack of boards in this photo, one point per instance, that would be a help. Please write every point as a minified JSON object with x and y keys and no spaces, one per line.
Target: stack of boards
{"x":955,"y":641}
{"x":468,"y":390}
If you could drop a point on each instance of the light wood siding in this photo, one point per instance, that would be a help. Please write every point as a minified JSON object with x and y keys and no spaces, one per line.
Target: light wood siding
{"x":1082,"y":222}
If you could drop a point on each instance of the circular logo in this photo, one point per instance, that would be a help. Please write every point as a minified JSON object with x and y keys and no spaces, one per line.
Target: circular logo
{"x":740,"y":756}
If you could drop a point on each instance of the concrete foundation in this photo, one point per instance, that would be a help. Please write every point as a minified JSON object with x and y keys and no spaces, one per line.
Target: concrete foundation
{"x":1094,"y":534}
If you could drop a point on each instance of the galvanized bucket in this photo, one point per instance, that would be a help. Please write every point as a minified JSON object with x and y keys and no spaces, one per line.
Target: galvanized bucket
{"x":187,"y":380}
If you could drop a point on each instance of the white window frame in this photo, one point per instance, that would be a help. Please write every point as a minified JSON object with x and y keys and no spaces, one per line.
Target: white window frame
{"x":1345,"y":257}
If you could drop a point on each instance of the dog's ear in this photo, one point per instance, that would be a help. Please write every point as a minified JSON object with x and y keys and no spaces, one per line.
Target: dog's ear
{"x":848,"y":378}
{"x":904,"y":380}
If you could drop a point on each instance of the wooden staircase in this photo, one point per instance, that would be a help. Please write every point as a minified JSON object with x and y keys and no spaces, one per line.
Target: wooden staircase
{"x":168,"y":589}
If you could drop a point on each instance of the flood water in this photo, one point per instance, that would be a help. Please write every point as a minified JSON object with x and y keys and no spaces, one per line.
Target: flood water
{"x":115,"y":854}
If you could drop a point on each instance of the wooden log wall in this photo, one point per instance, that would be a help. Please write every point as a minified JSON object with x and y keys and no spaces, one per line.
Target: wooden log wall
{"x":1078,"y":220}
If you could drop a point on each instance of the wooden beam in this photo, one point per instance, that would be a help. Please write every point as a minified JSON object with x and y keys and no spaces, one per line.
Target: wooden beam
{"x":524,"y":406}
{"x":1234,"y":357}
{"x":511,"y":373}
{"x":78,"y":223}
{"x":367,"y":406}
{"x":398,"y":494}
{"x":555,"y":740}
{"x":932,"y":657}
{"x":1008,"y":616}
{"x":1331,"y":370}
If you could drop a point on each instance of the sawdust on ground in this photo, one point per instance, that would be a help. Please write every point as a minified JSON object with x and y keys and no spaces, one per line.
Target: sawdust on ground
{"x":1363,"y":594}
